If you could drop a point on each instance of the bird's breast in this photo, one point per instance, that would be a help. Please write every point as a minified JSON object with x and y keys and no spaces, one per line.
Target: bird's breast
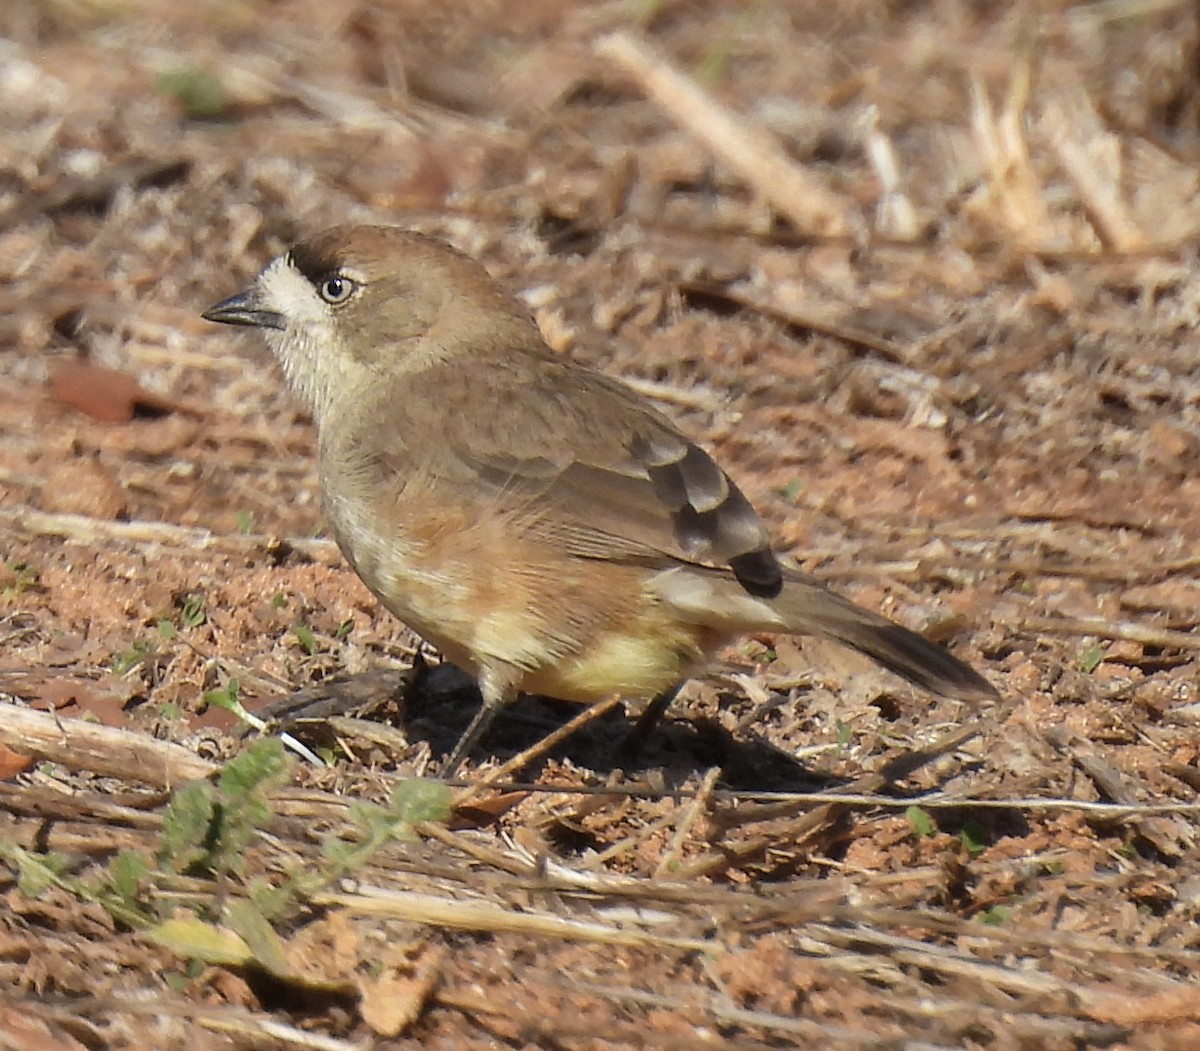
{"x":490,"y":585}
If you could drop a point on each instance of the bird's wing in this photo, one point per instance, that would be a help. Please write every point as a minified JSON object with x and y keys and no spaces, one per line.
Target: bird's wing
{"x":609,"y":477}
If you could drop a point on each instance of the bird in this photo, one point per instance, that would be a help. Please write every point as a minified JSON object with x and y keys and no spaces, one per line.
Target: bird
{"x":539,"y":522}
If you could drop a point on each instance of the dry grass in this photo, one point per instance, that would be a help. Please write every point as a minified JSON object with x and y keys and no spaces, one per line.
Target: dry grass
{"x":923,"y":276}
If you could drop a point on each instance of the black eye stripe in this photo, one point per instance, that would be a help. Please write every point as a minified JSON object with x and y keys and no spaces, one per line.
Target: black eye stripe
{"x":314,"y":265}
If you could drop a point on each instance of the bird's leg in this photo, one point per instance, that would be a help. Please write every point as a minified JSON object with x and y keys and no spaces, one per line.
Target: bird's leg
{"x":498,"y":692}
{"x":536,"y":751}
{"x":647,"y":721}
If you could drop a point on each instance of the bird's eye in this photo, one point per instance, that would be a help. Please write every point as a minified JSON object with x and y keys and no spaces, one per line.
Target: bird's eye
{"x":336,"y":289}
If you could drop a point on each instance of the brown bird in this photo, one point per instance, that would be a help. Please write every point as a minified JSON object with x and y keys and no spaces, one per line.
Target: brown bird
{"x":538,"y":522}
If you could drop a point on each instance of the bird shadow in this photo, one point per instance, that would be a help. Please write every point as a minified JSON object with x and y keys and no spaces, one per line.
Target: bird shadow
{"x":435,"y":704}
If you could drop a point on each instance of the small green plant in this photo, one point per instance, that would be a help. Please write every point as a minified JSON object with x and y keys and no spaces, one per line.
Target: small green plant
{"x":1092,"y":658}
{"x":120,"y":890}
{"x":199,"y":93}
{"x":714,"y":66}
{"x":246,"y":935}
{"x":191,"y":611}
{"x":189,"y":891}
{"x":922,"y":823}
{"x":245,"y":522}
{"x":134,"y":657}
{"x":25,"y":578}
{"x":995,"y":915}
{"x":37,"y":873}
{"x":226,"y":697}
{"x":792,"y":490}
{"x":306,"y":638}
{"x":411,"y":802}
{"x":845,"y":734}
{"x":974,"y":837}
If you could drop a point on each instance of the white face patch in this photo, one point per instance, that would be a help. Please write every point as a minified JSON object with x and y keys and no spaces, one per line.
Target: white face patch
{"x":310,"y":348}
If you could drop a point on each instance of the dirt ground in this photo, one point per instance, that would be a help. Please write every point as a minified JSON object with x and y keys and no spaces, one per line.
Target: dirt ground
{"x":932,"y":300}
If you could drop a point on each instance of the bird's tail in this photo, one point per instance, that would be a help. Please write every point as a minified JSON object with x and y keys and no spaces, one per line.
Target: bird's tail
{"x":806,"y":607}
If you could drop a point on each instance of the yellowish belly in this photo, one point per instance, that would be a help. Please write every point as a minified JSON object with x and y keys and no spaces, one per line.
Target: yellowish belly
{"x":488,"y":591}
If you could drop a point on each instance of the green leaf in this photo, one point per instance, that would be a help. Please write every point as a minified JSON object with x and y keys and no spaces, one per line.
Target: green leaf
{"x":260,"y":765}
{"x":27,"y":579}
{"x":421,"y":799}
{"x":411,"y":801}
{"x":845,"y":734}
{"x":922,"y":823}
{"x":126,"y":662}
{"x":167,"y":630}
{"x":246,"y":920}
{"x":369,"y":816}
{"x":974,"y":837}
{"x":126,"y":873}
{"x":995,"y":915}
{"x":307,"y":640}
{"x":245,"y":522}
{"x":192,"y":613}
{"x":194,"y":939}
{"x":270,"y":900}
{"x":335,"y":850}
{"x":37,"y":873}
{"x":1092,"y":657}
{"x":226,"y":698}
{"x":187,"y":823}
{"x":199,"y":93}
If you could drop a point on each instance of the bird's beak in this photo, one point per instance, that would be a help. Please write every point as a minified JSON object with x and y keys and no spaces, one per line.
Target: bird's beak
{"x":245,"y":309}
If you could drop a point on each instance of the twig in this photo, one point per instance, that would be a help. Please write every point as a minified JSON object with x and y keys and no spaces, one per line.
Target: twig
{"x":1103,"y":628}
{"x":821,"y":939}
{"x":1096,"y":182}
{"x":690,"y":817}
{"x":235,"y":1020}
{"x":823,"y":814}
{"x":864,"y":799}
{"x":819,"y":1032}
{"x":801,"y":319}
{"x":543,"y":746}
{"x":479,"y":915}
{"x":1012,"y":182}
{"x":895,"y":216}
{"x":690,"y":397}
{"x":105,"y":750}
{"x":87,"y":530}
{"x":261,"y":1025}
{"x":746,"y":147}
{"x":1110,"y":783}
